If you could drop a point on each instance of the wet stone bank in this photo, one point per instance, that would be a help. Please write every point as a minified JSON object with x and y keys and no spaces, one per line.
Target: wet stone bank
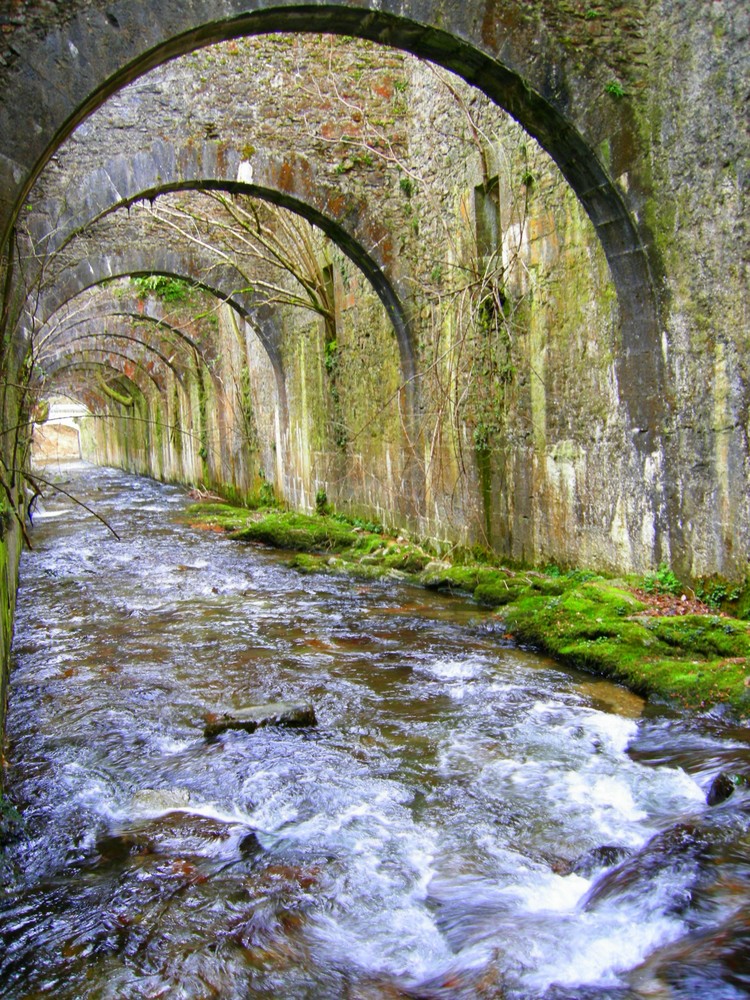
{"x":466,"y":819}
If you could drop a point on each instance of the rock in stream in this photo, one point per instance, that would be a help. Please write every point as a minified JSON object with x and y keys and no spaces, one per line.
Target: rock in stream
{"x":280,"y":713}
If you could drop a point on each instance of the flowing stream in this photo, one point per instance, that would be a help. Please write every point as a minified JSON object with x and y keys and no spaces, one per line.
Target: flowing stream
{"x":467,"y":819}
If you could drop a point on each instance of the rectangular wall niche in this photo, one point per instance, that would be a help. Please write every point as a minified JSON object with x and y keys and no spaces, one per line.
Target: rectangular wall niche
{"x":329,"y":289}
{"x":487,"y":220}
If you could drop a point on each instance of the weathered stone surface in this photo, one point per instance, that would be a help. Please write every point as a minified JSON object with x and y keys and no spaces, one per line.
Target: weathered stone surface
{"x":281,"y":713}
{"x":160,"y":799}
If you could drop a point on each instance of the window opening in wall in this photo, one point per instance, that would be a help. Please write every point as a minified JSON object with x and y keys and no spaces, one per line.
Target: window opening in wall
{"x":487,"y":221}
{"x":329,"y":293}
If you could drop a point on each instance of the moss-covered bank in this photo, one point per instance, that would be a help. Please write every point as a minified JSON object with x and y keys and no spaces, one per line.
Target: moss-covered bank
{"x":696,"y":659}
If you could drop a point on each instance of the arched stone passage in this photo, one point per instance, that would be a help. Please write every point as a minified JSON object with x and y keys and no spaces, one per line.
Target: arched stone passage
{"x":94,"y":308}
{"x":124,"y":391}
{"x":515,"y":55}
{"x":224,"y":283}
{"x":95,"y":323}
{"x":67,"y":387}
{"x":109,"y":326}
{"x":106,"y":312}
{"x":75,"y":380}
{"x":83,"y":336}
{"x":287,"y":181}
{"x":122,"y":365}
{"x":103,"y":303}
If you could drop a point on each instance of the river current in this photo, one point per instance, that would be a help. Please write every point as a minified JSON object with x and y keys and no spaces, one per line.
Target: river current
{"x":468,"y":819}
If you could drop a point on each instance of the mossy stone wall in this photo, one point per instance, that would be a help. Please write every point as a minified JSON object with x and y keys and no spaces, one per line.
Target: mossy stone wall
{"x":519,"y":433}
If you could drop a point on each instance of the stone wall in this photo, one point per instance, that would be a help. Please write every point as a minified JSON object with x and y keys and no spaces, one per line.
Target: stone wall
{"x":10,"y":548}
{"x":518,"y":430}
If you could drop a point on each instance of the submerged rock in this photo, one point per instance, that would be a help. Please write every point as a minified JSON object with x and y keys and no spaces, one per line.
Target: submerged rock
{"x":279,"y":713}
{"x":720,"y":789}
{"x":249,"y":845}
{"x":680,"y":848}
{"x":160,"y":799}
{"x":116,"y":847}
{"x":181,"y":836}
{"x":599,"y":857}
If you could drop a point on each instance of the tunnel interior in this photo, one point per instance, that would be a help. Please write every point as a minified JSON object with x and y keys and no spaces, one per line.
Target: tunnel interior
{"x":288,"y":283}
{"x":435,"y":314}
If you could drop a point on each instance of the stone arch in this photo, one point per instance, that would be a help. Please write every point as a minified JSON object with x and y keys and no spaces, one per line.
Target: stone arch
{"x":124,"y":365}
{"x":109,"y":325}
{"x":150,"y":318}
{"x":86,"y":394}
{"x":517,"y":56}
{"x":76,"y":336}
{"x":104,"y":305}
{"x":287,"y":181}
{"x":73,"y":376}
{"x":225,"y":285}
{"x":93,"y":306}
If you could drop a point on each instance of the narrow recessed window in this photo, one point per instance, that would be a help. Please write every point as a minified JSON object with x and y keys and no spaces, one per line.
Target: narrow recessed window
{"x":329,"y":298}
{"x":487,"y":219}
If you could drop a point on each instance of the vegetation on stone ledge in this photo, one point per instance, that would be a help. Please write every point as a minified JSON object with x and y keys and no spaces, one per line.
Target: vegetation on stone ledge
{"x":634,"y":631}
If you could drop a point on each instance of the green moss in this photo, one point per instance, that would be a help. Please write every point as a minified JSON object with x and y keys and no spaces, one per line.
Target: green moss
{"x":591,"y":623}
{"x":369,"y":543}
{"x":465,"y":577}
{"x":307,"y":563}
{"x":698,"y":660}
{"x":118,"y":397}
{"x":742,"y":604}
{"x":172,"y":290}
{"x":406,"y":557}
{"x":550,"y":586}
{"x":10,"y":821}
{"x":303,"y":532}
{"x":220,"y":515}
{"x":710,"y":636}
{"x":499,"y":593}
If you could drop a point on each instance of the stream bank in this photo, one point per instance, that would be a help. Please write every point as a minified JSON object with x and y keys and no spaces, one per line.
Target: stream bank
{"x":680,"y":650}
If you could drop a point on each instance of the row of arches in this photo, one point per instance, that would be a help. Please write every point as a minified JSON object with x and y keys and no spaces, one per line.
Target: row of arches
{"x":76,"y":198}
{"x":515,"y":59}
{"x":117,"y":221}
